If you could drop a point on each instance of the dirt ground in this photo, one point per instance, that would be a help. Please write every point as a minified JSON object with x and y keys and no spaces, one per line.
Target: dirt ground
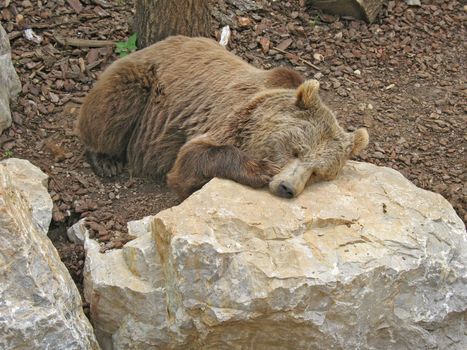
{"x":402,"y":77}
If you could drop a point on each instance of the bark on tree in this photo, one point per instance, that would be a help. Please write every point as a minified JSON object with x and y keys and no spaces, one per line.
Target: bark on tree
{"x":157,"y":19}
{"x":362,"y":9}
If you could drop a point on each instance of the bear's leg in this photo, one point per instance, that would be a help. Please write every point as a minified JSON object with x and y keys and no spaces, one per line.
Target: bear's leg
{"x":114,"y":106}
{"x":104,"y":165}
{"x":202,"y":159}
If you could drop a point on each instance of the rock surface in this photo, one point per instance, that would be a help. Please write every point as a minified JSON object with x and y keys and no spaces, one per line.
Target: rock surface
{"x":30,"y":183}
{"x":9,"y":81}
{"x":368,"y":261}
{"x":40,"y":306}
{"x":77,"y":232}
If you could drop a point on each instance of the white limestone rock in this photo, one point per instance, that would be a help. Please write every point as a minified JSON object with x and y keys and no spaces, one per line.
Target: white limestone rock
{"x":31,"y":183}
{"x":10,"y":85}
{"x":77,"y":233}
{"x":368,"y":261}
{"x":139,"y":227}
{"x":413,"y":2}
{"x":40,"y":306}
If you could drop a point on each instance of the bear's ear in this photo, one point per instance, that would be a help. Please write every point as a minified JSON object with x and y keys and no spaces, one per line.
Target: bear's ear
{"x":360,"y":141}
{"x":307,"y":94}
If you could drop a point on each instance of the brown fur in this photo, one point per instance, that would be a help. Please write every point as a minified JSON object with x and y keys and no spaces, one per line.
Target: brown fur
{"x":282,"y":77}
{"x":188,"y":108}
{"x":200,"y":160}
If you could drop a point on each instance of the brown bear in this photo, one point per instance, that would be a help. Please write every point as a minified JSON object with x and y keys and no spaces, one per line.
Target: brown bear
{"x":188,"y":109}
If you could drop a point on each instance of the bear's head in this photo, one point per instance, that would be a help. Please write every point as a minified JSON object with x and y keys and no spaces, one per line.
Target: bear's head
{"x":302,"y":136}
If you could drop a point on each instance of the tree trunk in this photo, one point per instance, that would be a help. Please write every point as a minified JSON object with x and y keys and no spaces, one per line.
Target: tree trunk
{"x":157,"y":19}
{"x":361,"y":9}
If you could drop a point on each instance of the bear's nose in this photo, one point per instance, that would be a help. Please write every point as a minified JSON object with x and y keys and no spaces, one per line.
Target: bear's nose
{"x":285,"y":190}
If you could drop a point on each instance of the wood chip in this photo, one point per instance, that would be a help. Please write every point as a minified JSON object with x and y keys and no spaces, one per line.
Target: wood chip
{"x":76,"y":5}
{"x":244,"y":21}
{"x":265,"y":44}
{"x":101,"y":3}
{"x":82,"y":65}
{"x":284,"y":45}
{"x":308,"y":63}
{"x":83,"y":42}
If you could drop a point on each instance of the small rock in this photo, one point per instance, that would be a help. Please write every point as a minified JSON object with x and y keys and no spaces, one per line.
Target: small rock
{"x":318,"y":75}
{"x":413,"y":2}
{"x":318,"y":57}
{"x":244,"y":21}
{"x":19,"y":19}
{"x":342,"y":92}
{"x":379,"y":155}
{"x":78,"y":232}
{"x":338,"y":36}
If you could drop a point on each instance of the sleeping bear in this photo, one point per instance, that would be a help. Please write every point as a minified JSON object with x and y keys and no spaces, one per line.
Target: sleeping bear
{"x":187,"y":110}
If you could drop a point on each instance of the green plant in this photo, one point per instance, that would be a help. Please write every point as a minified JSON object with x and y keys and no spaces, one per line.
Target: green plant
{"x":124,"y":48}
{"x":8,"y":153}
{"x":315,"y":21}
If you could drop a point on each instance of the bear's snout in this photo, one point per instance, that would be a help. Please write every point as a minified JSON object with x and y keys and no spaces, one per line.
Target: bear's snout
{"x":285,"y":190}
{"x":291,"y":181}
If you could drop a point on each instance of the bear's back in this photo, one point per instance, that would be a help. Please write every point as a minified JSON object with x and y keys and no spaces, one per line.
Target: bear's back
{"x":199,"y":80}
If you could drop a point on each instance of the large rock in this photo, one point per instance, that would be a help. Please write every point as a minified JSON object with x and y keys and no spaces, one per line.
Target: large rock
{"x":30,"y":183}
{"x":368,"y":261}
{"x":40,"y":306}
{"x":9,"y":81}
